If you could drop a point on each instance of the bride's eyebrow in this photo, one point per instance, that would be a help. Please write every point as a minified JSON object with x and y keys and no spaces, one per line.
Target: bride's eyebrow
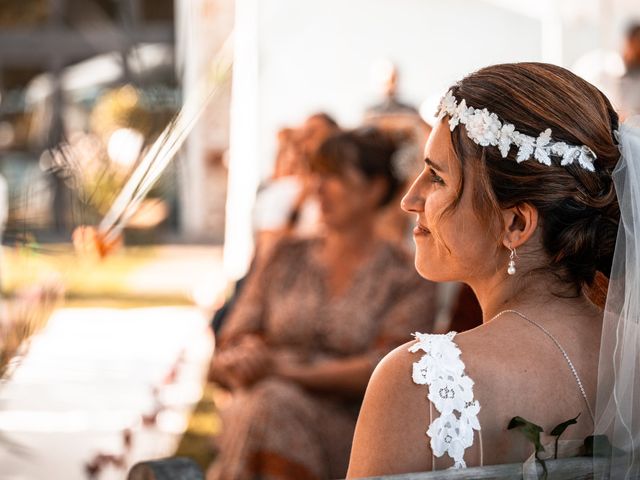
{"x":434,"y":165}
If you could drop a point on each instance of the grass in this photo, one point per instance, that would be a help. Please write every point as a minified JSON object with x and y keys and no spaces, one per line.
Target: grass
{"x":204,"y":423}
{"x":125,"y":301}
{"x":83,"y":276}
{"x":131,"y":276}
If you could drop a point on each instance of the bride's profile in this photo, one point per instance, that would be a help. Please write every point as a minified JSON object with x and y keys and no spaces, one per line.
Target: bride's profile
{"x":529,"y":193}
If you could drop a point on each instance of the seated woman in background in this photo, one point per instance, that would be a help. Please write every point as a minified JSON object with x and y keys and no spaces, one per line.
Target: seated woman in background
{"x":312,"y":323}
{"x":283,"y":204}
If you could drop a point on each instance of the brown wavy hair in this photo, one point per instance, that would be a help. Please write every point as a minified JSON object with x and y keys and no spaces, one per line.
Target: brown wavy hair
{"x":578,"y":209}
{"x":367,"y":149}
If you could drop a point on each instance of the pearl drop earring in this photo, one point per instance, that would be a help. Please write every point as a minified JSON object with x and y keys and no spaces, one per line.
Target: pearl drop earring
{"x":511,"y":268}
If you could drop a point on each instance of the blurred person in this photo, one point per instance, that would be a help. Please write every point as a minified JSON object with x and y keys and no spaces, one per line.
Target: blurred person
{"x":284,"y":204}
{"x":287,"y":161}
{"x":315,"y":130}
{"x":410,"y":134}
{"x":313,"y":321}
{"x":628,"y":95}
{"x":4,"y":217}
{"x":403,"y":122}
{"x":387,"y":80}
{"x":275,"y":212}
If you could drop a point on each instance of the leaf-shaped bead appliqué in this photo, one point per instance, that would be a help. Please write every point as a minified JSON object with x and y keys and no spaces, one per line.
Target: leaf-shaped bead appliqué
{"x":526,"y":146}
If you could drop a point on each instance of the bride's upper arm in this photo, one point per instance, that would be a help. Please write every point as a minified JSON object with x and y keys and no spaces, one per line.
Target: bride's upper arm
{"x":390,"y":434}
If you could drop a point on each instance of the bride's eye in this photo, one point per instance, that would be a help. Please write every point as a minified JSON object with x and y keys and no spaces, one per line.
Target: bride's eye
{"x":435,"y":178}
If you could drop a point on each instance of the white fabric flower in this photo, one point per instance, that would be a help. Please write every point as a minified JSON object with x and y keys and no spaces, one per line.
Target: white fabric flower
{"x":448,"y":104}
{"x":442,"y":348}
{"x":460,"y":114}
{"x":429,"y":368}
{"x":420,"y":373}
{"x":442,"y":431}
{"x":446,"y":438}
{"x":483,"y":127}
{"x":448,"y":394}
{"x":454,"y":120}
{"x":475,"y":126}
{"x":463,"y":112}
{"x":424,"y":341}
{"x":469,"y":420}
{"x":442,"y":393}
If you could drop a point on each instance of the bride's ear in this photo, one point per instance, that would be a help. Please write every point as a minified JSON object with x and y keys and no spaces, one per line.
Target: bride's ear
{"x":519,"y":224}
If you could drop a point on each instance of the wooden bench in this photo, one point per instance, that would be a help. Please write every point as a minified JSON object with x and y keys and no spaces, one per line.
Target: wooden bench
{"x":579,"y":468}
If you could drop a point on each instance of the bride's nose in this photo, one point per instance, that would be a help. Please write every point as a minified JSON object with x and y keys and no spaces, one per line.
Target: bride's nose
{"x":413,"y":202}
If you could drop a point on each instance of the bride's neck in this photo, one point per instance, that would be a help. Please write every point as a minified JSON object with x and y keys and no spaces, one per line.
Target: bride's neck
{"x":531,"y":293}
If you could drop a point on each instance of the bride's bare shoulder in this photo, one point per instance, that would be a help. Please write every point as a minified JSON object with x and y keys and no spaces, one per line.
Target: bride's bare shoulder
{"x":389,"y":436}
{"x":391,"y":384}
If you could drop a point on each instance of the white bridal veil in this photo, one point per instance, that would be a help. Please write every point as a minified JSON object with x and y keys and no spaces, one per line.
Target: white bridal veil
{"x":618,"y":400}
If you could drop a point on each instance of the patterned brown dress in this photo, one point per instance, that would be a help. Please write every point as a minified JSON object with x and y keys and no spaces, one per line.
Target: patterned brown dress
{"x":276,"y":429}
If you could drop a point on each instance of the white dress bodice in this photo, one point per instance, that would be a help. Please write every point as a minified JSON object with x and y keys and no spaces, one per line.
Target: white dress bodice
{"x":450,"y":392}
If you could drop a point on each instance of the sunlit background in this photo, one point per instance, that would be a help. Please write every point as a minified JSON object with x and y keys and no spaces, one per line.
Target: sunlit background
{"x":154,"y":121}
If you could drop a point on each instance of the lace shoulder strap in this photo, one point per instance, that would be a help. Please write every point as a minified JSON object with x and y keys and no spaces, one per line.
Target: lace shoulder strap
{"x":450,"y":391}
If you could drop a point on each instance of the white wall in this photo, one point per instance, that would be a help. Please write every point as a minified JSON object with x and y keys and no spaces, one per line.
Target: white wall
{"x":317,"y":55}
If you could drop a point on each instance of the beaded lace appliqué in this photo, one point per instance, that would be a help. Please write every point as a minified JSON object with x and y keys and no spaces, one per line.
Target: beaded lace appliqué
{"x":450,"y":391}
{"x":485,"y":128}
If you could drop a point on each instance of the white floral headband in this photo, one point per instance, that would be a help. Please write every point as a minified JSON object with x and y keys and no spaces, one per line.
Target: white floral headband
{"x":485,"y":129}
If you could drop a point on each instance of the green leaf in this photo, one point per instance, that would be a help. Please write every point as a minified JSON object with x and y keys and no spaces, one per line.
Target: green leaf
{"x":560,"y":428}
{"x":530,"y":430}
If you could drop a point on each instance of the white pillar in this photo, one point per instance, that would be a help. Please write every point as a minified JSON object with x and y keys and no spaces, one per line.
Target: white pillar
{"x":189,"y":50}
{"x":204,"y":59}
{"x":244,"y":158}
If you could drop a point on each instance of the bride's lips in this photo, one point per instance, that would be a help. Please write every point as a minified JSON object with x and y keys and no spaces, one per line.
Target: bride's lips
{"x":420,"y":229}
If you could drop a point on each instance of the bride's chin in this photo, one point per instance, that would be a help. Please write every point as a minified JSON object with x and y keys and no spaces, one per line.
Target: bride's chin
{"x":429,"y":271}
{"x":424,"y":271}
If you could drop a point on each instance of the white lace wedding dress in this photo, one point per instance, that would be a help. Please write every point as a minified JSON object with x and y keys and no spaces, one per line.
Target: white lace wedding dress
{"x":450,"y":392}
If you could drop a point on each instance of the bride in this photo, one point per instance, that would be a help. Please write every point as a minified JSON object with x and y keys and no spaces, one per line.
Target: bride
{"x":517,"y":199}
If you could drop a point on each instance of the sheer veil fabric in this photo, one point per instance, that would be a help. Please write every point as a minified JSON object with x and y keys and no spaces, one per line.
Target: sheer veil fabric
{"x":618,"y":396}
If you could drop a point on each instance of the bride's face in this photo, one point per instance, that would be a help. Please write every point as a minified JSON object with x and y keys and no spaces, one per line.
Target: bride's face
{"x":452,"y":242}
